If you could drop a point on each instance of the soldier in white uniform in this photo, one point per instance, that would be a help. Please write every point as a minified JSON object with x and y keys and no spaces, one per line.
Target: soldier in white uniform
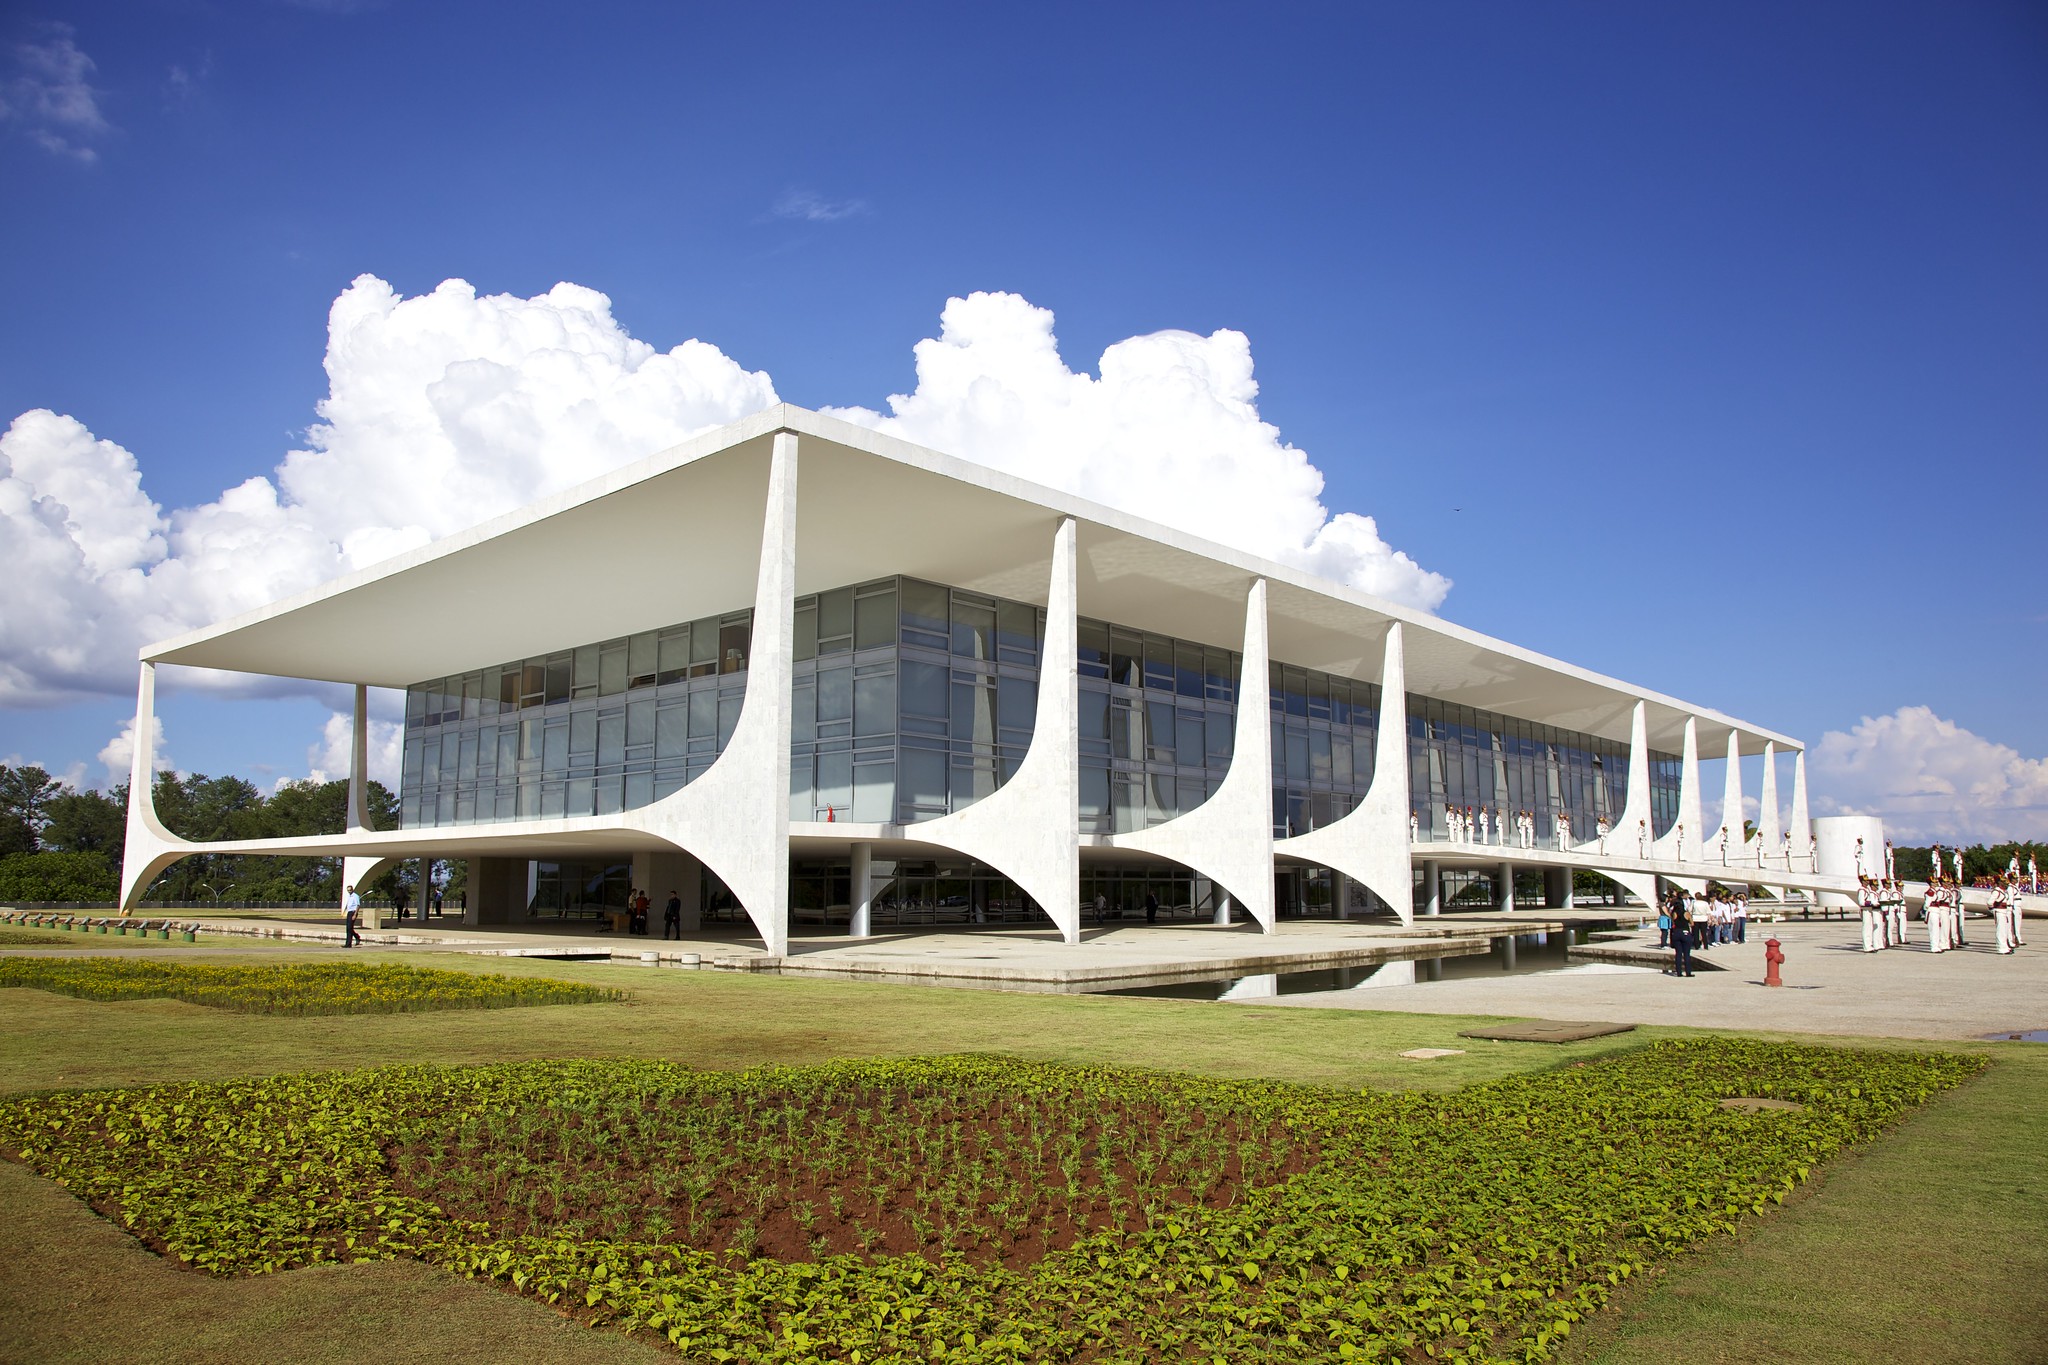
{"x":1601,"y":829}
{"x":1890,"y":869}
{"x":1564,"y":831}
{"x":1937,"y":931}
{"x":1898,"y":913}
{"x":1859,"y":858}
{"x":1681,"y":841}
{"x":2002,"y":915}
{"x":1956,"y":858}
{"x":1724,"y":845}
{"x":1485,"y":822}
{"x":1643,"y":839}
{"x":1414,"y":828}
{"x":1873,"y":922}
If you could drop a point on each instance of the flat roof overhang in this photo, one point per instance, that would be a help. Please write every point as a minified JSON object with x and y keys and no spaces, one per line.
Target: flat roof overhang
{"x":677,"y":537}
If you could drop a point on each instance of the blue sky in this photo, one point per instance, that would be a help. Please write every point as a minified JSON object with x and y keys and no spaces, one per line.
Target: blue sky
{"x":1705,"y":345}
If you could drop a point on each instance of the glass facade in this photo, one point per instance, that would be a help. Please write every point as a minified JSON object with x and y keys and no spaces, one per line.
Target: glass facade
{"x":912,"y":699}
{"x":1461,"y":757}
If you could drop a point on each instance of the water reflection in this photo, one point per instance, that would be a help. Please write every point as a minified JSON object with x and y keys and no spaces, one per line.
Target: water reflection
{"x":1509,"y":954}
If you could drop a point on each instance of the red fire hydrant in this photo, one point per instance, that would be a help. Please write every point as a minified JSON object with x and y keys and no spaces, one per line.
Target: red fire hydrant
{"x":1773,"y":955}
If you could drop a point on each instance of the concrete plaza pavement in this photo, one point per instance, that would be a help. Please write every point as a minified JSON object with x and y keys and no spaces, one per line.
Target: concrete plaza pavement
{"x":1831,"y":987}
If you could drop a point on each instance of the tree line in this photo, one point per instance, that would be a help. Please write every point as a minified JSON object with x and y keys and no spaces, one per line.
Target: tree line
{"x":58,"y":843}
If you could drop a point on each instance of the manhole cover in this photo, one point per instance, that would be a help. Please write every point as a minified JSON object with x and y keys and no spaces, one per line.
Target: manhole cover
{"x":1757,"y":1104}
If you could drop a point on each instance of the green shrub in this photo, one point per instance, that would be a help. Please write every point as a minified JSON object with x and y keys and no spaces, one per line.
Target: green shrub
{"x":58,"y":877}
{"x":1479,"y":1226}
{"x":305,"y":988}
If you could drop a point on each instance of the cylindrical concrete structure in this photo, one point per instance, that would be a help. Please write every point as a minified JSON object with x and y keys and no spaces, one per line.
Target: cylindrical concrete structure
{"x":1834,"y":838}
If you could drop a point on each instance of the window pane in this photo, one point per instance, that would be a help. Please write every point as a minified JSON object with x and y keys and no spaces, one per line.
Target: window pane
{"x":835,"y":694}
{"x":640,"y":657}
{"x":1159,"y":662}
{"x":1319,"y":757}
{"x":974,"y":630}
{"x":924,"y":778}
{"x":673,"y":655}
{"x":974,"y":707}
{"x":1126,"y":735}
{"x":925,"y":613}
{"x":583,"y":733}
{"x":732,"y":648}
{"x":874,"y":703}
{"x":1126,"y":659}
{"x":1297,"y":756}
{"x":1188,"y":744}
{"x":1159,"y":731}
{"x":703,"y":714}
{"x":1093,"y":648}
{"x":558,"y":675}
{"x":835,"y":781}
{"x":1016,"y":703}
{"x":584,"y":680}
{"x":924,"y":688}
{"x":1017,"y":631}
{"x":803,"y":713}
{"x":728,"y":716}
{"x":1094,"y":714}
{"x":874,"y":620}
{"x":804,"y":636}
{"x":874,"y":784}
{"x":639,"y":724}
{"x":801,"y":771}
{"x":672,"y":731}
{"x":835,"y":615}
{"x":611,"y":670}
{"x":555,"y":750}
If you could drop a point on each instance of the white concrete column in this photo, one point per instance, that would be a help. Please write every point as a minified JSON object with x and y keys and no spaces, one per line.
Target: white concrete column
{"x":1769,"y":830}
{"x":1432,"y":888}
{"x":148,"y":848}
{"x":1222,"y":916}
{"x":1731,"y":805}
{"x":1229,"y":837}
{"x":735,"y":817}
{"x":1504,"y":888}
{"x":1636,"y":814}
{"x":1029,"y":829}
{"x":1370,"y":842}
{"x":359,"y":764}
{"x":1802,"y":823}
{"x":1340,"y":894}
{"x":1693,"y":845}
{"x":861,"y":893}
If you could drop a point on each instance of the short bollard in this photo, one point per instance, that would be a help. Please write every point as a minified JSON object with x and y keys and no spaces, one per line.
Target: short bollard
{"x":1773,"y":957}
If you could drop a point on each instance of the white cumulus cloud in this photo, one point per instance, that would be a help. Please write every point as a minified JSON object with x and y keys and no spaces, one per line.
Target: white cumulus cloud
{"x":443,"y":410}
{"x":1929,"y":778}
{"x":118,"y":756}
{"x":1169,"y":431}
{"x":328,"y":760}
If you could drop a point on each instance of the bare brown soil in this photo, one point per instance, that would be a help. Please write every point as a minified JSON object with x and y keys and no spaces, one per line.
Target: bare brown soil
{"x":996,"y":1195}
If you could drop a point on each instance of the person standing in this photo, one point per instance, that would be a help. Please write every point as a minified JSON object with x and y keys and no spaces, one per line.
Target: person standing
{"x":1873,"y":932}
{"x":1680,"y":831}
{"x":1564,"y":831}
{"x":1601,"y":829}
{"x":1742,"y":916}
{"x":1664,"y":923}
{"x":1681,"y":939}
{"x":1956,"y":859}
{"x":672,"y":917}
{"x":1643,"y":839}
{"x":1485,"y":826}
{"x":2002,"y":916}
{"x":1151,"y":908}
{"x":351,"y":914}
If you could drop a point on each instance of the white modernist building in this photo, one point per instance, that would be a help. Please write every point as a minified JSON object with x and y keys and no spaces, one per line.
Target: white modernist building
{"x":796,"y":671}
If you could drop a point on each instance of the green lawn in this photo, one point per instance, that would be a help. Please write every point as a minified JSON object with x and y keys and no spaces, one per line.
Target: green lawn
{"x":1929,"y":1244}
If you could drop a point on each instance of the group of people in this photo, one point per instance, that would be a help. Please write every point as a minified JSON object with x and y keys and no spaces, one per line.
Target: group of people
{"x":638,"y":906}
{"x":1481,"y":825}
{"x":1883,"y":903}
{"x":1945,"y":914}
{"x":1686,"y":921}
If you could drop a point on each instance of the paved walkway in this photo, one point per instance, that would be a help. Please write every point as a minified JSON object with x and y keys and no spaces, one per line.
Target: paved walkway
{"x":1831,"y":986}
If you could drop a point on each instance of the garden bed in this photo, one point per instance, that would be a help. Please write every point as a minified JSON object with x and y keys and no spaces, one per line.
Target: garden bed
{"x":292,"y":988}
{"x":1474,"y":1226}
